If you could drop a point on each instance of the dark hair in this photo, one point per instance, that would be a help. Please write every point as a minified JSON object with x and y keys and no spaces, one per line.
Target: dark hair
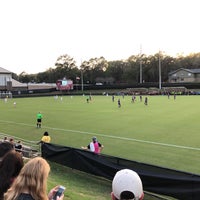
{"x":46,"y":133}
{"x":127,"y":195}
{"x":94,"y":139}
{"x":5,"y":147}
{"x":10,"y":167}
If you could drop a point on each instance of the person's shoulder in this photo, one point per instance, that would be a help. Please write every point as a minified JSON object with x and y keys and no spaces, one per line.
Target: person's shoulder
{"x":24,"y":196}
{"x":99,"y":144}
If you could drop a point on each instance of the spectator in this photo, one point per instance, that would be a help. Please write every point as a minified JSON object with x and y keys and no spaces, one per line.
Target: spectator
{"x":10,"y":167}
{"x":127,"y":185}
{"x":11,"y":140}
{"x":94,"y":146}
{"x":31,"y":182}
{"x":4,"y":148}
{"x":5,"y":139}
{"x":45,"y":138}
{"x":18,"y":146}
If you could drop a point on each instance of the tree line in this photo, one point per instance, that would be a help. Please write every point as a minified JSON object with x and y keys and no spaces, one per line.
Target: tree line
{"x":133,"y":70}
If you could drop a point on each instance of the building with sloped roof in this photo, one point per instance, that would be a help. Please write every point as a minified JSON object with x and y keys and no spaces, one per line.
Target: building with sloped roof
{"x":7,"y":83}
{"x":17,"y":86}
{"x":184,"y":75}
{"x":5,"y":79}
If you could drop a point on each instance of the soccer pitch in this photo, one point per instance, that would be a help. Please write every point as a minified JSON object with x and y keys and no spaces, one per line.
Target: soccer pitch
{"x":163,"y":133}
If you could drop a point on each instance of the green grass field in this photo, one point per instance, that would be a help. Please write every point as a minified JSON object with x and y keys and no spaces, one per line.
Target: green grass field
{"x":164,"y":133}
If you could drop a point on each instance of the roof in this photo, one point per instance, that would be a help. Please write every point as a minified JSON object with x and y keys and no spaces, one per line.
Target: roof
{"x":18,"y":84}
{"x":4,"y":71}
{"x":193,"y":71}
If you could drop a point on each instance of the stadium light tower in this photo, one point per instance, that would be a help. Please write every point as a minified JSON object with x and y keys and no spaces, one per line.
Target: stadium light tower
{"x":140,"y":63}
{"x":81,"y":77}
{"x":159,"y":68}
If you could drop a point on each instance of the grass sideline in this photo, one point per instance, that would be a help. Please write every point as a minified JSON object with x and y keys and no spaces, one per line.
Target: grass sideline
{"x":79,"y":185}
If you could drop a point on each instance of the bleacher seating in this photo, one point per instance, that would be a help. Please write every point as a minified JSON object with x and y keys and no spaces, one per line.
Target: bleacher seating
{"x":30,"y":149}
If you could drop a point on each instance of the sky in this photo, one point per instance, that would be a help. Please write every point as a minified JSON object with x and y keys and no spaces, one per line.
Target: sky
{"x":34,"y":33}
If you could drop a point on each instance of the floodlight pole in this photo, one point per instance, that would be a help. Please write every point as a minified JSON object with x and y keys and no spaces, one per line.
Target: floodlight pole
{"x":159,"y":68}
{"x":140,"y":63}
{"x":81,"y":79}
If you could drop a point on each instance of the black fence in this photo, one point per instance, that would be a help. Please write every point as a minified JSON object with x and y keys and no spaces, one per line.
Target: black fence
{"x":176,"y":184}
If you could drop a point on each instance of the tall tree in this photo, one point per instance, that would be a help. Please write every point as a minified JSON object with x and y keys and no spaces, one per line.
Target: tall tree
{"x":66,"y":67}
{"x":94,"y":68}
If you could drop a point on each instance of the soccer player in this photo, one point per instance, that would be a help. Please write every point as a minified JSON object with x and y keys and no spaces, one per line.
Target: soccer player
{"x":113,"y":98}
{"x":146,"y":101}
{"x":119,"y":103}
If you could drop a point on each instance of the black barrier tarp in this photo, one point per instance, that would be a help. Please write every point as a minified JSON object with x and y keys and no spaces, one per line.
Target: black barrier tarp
{"x":177,"y":184}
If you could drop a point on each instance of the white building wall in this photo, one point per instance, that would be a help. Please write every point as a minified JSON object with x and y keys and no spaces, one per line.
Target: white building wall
{"x":4,"y":78}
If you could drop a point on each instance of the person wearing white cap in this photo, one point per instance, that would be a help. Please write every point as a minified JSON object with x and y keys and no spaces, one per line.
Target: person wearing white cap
{"x":127,"y":185}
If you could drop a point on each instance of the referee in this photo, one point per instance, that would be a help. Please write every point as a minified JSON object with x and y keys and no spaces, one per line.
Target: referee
{"x":39,"y":120}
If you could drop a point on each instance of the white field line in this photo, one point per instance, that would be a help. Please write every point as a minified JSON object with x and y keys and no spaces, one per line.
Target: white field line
{"x":108,"y":136}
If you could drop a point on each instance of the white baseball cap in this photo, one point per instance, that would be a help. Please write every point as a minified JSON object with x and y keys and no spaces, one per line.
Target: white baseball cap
{"x":127,"y":180}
